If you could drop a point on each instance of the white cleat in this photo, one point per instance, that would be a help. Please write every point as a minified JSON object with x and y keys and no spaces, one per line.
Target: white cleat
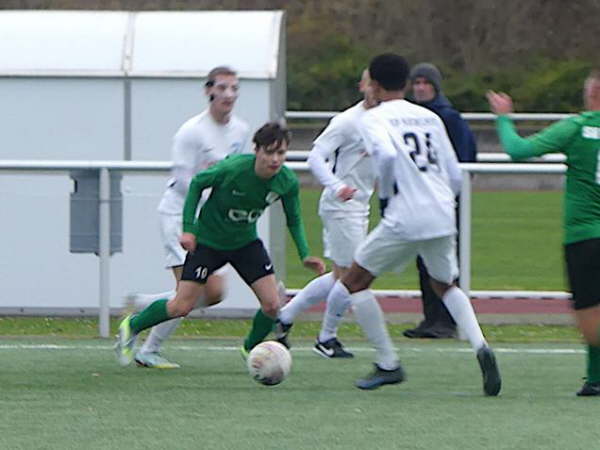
{"x":153,"y":360}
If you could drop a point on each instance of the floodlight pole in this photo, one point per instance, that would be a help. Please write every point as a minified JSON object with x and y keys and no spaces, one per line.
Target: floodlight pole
{"x":104,"y":253}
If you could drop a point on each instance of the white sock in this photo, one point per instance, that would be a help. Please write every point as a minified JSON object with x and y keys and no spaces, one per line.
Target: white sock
{"x":370,"y":317}
{"x":143,"y":300}
{"x":161,"y":332}
{"x":314,"y":292}
{"x":461,"y":310}
{"x":158,"y":334}
{"x":338,"y":301}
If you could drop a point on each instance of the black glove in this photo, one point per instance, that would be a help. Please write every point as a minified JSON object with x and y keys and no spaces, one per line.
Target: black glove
{"x":383,"y":203}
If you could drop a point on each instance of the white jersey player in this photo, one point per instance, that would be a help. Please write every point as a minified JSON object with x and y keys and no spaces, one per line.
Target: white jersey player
{"x":419,"y":178}
{"x":200,"y":142}
{"x":342,"y":165}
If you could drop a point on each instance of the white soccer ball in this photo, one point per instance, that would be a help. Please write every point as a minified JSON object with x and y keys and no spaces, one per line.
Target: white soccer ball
{"x":269,"y":363}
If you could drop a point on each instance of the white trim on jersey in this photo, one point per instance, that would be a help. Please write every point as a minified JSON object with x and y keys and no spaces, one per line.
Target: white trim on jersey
{"x":339,"y":158}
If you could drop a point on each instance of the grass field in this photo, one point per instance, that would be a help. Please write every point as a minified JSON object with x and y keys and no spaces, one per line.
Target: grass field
{"x":62,"y":389}
{"x":516,"y":243}
{"x":60,"y":393}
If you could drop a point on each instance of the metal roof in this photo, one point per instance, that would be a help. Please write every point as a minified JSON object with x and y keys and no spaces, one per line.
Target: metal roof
{"x":139,"y":44}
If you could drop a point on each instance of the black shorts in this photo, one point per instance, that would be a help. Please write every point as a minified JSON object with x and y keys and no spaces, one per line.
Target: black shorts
{"x":583,"y":270}
{"x":251,"y":262}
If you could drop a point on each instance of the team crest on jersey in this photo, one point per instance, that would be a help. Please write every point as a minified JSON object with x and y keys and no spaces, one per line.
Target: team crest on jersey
{"x":271,"y":197}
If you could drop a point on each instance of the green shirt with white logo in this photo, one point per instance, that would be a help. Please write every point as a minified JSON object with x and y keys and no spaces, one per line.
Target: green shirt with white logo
{"x":227,"y":221}
{"x":578,"y":138}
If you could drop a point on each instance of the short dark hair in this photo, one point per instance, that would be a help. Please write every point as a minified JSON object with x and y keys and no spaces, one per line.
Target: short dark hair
{"x":390,"y":71}
{"x":270,"y":133}
{"x":219,"y":70}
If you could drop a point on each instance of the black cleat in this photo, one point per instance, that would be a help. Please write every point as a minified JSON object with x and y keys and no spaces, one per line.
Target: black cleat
{"x":589,"y":389}
{"x":282,"y":331}
{"x":492,"y":383}
{"x":379,"y":377}
{"x":430,"y":333}
{"x":331,"y":348}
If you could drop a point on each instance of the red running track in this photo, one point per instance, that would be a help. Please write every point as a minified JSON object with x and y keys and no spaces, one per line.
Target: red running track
{"x":481,"y":306}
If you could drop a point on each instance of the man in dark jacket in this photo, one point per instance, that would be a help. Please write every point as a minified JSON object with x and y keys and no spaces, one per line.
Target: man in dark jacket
{"x":426,"y":91}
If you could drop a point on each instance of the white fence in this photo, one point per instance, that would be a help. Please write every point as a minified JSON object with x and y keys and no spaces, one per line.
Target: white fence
{"x":492,"y":164}
{"x":105,"y":167}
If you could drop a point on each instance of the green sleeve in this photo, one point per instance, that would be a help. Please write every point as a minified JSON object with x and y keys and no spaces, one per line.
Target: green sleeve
{"x":513,"y":144}
{"x":201,"y":181}
{"x":555,"y":138}
{"x":550,"y":140}
{"x":291,"y":206}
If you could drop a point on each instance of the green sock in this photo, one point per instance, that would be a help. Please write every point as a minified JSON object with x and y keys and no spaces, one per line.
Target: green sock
{"x":155,"y":312}
{"x":261,"y":327}
{"x":593,"y":364}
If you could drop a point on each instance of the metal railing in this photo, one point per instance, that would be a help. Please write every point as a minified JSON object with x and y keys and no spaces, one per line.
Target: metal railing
{"x":313,"y":115}
{"x":105,"y":167}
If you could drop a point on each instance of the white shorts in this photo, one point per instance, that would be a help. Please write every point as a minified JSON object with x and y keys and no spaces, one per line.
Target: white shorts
{"x":342,"y":236}
{"x":171,"y":227}
{"x":383,"y":251}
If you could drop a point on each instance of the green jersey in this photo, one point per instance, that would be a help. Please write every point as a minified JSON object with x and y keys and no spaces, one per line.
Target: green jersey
{"x":578,"y":138}
{"x":227,"y":221}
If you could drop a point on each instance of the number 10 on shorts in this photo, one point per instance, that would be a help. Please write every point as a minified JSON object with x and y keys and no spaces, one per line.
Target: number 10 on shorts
{"x":201,"y":272}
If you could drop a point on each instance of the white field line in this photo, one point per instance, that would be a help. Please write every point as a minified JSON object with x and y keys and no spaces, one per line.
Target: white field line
{"x":199,"y":348}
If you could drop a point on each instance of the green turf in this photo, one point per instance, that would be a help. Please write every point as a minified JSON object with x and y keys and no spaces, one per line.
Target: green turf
{"x":190,"y":328}
{"x":73,"y":396}
{"x":516,"y":243}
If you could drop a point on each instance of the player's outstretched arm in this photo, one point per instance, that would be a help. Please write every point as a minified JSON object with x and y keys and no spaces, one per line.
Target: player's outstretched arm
{"x":324,"y":148}
{"x":513,"y":144}
{"x":500,"y":103}
{"x":315,"y":264}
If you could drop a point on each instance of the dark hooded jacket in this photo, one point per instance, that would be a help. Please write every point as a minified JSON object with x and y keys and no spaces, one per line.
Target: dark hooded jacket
{"x":459,"y":132}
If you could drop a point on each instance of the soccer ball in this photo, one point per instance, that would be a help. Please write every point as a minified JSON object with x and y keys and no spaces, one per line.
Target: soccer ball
{"x":269,"y":363}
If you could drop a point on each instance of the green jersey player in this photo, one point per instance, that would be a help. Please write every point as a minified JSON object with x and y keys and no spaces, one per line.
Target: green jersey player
{"x":243,"y":186}
{"x":578,"y":138}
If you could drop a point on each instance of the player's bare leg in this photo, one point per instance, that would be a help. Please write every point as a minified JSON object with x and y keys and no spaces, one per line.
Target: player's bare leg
{"x":149,"y":354}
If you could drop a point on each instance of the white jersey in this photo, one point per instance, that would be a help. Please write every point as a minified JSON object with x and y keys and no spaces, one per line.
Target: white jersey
{"x":413,"y":155}
{"x":197,"y":145}
{"x":339,"y":158}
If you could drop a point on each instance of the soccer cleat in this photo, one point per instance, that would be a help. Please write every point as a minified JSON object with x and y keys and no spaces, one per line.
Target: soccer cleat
{"x":331,"y":348}
{"x":380,"y":377}
{"x":153,"y":360}
{"x":282,"y":331}
{"x":589,"y":389}
{"x":125,"y":342}
{"x":430,"y":333}
{"x":492,"y":382}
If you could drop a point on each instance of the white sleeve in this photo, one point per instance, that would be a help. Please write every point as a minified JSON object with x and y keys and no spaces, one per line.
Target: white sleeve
{"x":324,"y":147}
{"x":184,"y":161}
{"x":448,"y":160}
{"x":247,"y":142}
{"x":379,"y":145}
